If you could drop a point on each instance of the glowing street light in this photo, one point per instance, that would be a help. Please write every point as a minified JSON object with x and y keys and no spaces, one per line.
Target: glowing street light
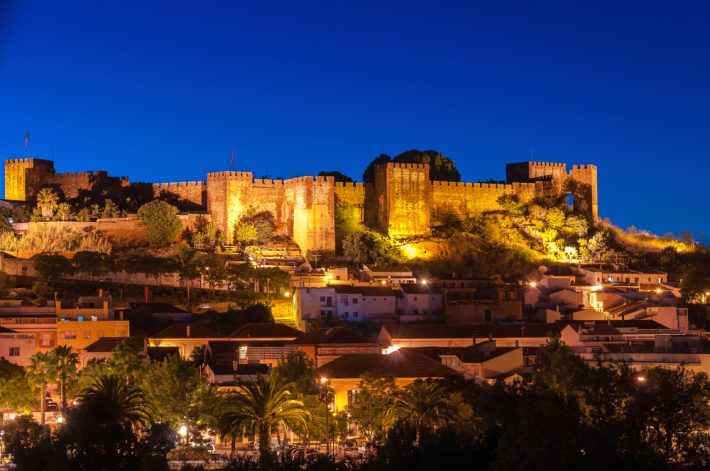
{"x":60,"y":420}
{"x":324,"y":382}
{"x":533,"y":284}
{"x":424,"y":282}
{"x":640,"y":379}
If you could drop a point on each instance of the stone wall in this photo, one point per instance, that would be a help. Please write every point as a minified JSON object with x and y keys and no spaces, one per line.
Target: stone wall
{"x":403,"y":199}
{"x":191,"y":194}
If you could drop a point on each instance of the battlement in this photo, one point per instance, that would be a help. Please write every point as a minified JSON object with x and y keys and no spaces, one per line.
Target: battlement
{"x":349,"y":185}
{"x":267,"y":182}
{"x":584,"y":167}
{"x":178,"y":185}
{"x":547,"y":164}
{"x":230,"y":175}
{"x":86,"y":174}
{"x":317,"y":179}
{"x":408,"y":165}
{"x":19,"y":161}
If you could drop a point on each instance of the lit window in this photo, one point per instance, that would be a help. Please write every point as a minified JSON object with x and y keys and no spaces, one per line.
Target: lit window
{"x":14,"y":351}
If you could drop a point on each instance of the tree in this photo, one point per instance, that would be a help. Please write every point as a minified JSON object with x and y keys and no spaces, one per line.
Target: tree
{"x":50,"y":269}
{"x":245,"y":233}
{"x":297,"y":369}
{"x":260,"y":407}
{"x":670,"y":414}
{"x":598,"y":247}
{"x":47,"y":202}
{"x":161,"y":222}
{"x":126,"y":363}
{"x":63,"y":369}
{"x":339,"y":177}
{"x":110,"y":210}
{"x":440,"y":167}
{"x":16,"y":392}
{"x":92,"y":263}
{"x":176,"y":391}
{"x":254,"y":227}
{"x":558,"y":370}
{"x":39,"y":372}
{"x":64,"y":212}
{"x":370,"y":405}
{"x":423,"y":405}
{"x":99,"y":433}
{"x":29,"y":444}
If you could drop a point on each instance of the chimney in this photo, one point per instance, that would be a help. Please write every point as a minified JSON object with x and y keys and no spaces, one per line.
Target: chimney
{"x":101,"y":293}
{"x":187,"y":330}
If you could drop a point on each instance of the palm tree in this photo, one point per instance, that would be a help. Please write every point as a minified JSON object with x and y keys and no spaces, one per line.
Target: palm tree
{"x":259,"y":407}
{"x":102,"y":431}
{"x":114,"y":401}
{"x":39,"y":374}
{"x":63,"y":368}
{"x":47,"y":202}
{"x":424,"y":405}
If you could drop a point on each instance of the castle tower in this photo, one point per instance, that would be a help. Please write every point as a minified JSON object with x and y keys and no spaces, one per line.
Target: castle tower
{"x":23,"y":177}
{"x":586,"y":175}
{"x":312,"y":202}
{"x":228,"y":196}
{"x":403,"y":199}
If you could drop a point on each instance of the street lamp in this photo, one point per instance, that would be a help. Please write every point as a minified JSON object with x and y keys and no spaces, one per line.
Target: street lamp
{"x":182,"y":431}
{"x":324,"y":382}
{"x":640,"y":379}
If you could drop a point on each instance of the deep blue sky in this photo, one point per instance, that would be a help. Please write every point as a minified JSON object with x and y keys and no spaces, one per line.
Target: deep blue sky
{"x":160,"y":91}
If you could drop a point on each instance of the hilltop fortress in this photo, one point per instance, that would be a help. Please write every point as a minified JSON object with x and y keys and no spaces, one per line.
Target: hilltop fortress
{"x":402,"y":201}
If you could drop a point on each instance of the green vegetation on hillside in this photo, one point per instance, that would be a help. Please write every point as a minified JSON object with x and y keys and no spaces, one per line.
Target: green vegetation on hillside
{"x":441,"y":168}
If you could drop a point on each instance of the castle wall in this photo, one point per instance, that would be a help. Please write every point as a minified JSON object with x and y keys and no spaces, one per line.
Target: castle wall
{"x":352,"y":194}
{"x":72,"y":183}
{"x":313,"y":203}
{"x":270,"y":195}
{"x":403,"y":196}
{"x":192,"y":195}
{"x":587,"y":175}
{"x":23,"y":177}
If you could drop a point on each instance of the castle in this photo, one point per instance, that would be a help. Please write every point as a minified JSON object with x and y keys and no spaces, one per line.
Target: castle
{"x":402,"y":201}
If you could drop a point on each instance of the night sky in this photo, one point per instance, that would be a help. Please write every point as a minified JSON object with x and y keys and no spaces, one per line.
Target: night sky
{"x":160,"y":91}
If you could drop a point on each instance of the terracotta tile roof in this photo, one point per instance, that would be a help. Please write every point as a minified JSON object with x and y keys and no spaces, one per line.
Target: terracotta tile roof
{"x":266,"y":331}
{"x":458,"y":331}
{"x":396,"y":364}
{"x":179,"y":331}
{"x":161,"y":353}
{"x":107,"y":344}
{"x":418,"y":288}
{"x":155,"y":308}
{"x":3,"y":330}
{"x":330,"y":335}
{"x":364,"y":290}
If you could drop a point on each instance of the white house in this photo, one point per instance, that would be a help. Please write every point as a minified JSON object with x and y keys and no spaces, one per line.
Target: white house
{"x":349,"y":303}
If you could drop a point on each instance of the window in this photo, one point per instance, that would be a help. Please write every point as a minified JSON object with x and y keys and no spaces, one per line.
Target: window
{"x":354,"y":300}
{"x":660,"y":280}
{"x":344,"y":300}
{"x":352,"y":394}
{"x":69,"y":335}
{"x":87,"y":334}
{"x":46,"y":340}
{"x":636,"y":280}
{"x":322,"y":313}
{"x":415,"y":298}
{"x":14,"y":351}
{"x":345,"y":314}
{"x":354,"y":314}
{"x":329,"y":301}
{"x":322,"y":299}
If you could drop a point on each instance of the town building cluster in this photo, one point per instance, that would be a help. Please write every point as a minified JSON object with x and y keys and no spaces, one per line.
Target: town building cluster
{"x":487,"y":329}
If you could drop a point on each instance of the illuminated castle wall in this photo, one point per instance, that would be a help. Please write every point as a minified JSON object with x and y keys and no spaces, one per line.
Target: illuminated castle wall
{"x":402,"y":201}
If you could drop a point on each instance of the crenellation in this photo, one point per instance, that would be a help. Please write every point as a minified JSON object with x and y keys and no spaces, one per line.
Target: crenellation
{"x":402,"y":201}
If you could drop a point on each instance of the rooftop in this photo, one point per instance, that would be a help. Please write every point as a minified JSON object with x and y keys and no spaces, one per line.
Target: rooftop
{"x":179,"y":331}
{"x":266,"y":331}
{"x":419,"y":288}
{"x":397,"y":364}
{"x":364,"y":290}
{"x":155,"y":308}
{"x":108,"y":344}
{"x":330,"y":335}
{"x":458,"y":331}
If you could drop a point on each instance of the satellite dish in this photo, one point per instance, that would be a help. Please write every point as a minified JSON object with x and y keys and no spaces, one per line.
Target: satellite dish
{"x":542,"y":269}
{"x":12,"y":294}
